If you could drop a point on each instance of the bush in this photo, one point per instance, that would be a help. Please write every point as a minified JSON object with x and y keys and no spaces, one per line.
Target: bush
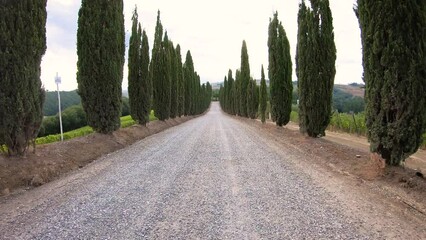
{"x":73,"y":117}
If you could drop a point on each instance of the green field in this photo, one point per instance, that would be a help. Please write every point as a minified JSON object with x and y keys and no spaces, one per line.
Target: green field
{"x":126,"y":121}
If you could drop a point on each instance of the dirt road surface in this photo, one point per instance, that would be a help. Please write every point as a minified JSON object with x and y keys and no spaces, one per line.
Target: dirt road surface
{"x":214,"y":177}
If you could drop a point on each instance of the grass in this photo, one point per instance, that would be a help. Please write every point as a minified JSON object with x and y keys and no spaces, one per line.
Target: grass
{"x":126,"y":121}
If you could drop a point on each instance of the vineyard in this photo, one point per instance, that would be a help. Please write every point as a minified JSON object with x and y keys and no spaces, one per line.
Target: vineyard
{"x":126,"y":121}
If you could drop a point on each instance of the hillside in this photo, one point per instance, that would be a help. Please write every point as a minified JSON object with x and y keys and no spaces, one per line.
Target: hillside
{"x":353,"y":89}
{"x":68,"y":99}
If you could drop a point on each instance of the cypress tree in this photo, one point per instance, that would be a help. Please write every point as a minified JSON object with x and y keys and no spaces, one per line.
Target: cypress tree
{"x":263,"y":97}
{"x":188,"y":81}
{"x":173,"y":82}
{"x":231,"y":93}
{"x":316,"y":56}
{"x":394,"y":45}
{"x":134,"y":78}
{"x":100,"y":50}
{"x":195,"y":95}
{"x":256,"y":102}
{"x":251,"y":99}
{"x":280,"y":72}
{"x":180,"y":83}
{"x":145,"y":100}
{"x":161,"y":73}
{"x":245,"y":79}
{"x":238,"y":110}
{"x":225,"y":95}
{"x":22,"y":45}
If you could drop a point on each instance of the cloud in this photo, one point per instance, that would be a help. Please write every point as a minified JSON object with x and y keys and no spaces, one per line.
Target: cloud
{"x":212,"y":30}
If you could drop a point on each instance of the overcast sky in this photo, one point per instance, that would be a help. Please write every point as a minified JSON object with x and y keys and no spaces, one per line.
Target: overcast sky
{"x":212,"y":30}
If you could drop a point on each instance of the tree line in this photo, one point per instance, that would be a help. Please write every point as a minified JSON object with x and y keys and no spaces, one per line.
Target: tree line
{"x":394,"y":62}
{"x":163,"y":83}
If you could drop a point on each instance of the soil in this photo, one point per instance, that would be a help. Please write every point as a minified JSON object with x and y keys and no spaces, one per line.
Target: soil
{"x":348,"y":155}
{"x":54,"y":160}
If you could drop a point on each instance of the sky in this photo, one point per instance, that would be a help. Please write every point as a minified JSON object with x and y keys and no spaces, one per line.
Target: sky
{"x":212,"y":30}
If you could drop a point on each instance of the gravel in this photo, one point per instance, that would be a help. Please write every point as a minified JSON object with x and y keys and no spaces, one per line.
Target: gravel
{"x":209,"y":178}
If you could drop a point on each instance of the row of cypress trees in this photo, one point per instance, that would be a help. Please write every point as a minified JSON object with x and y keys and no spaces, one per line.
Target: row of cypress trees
{"x":394,"y":61}
{"x":159,"y":84}
{"x":164,"y":83}
{"x":177,"y":90}
{"x":240,"y":96}
{"x":245,"y":98}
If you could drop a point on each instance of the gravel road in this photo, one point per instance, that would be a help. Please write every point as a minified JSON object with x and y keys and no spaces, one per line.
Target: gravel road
{"x":209,"y":178}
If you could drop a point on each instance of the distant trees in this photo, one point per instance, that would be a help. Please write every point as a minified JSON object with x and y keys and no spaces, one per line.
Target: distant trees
{"x":177,"y":88}
{"x":240,"y":96}
{"x":394,"y":47}
{"x":22,"y":45}
{"x":252,"y":99}
{"x":231,"y":93}
{"x":100,"y":50}
{"x":315,"y":66}
{"x":263,"y":97}
{"x":280,"y":72}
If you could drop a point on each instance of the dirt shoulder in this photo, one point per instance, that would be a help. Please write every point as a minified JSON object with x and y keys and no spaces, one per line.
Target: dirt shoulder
{"x":348,"y":157}
{"x":416,"y":162}
{"x":53,"y":160}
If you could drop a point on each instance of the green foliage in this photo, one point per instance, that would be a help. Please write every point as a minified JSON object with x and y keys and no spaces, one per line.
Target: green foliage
{"x":100,"y":50}
{"x":173,"y":81}
{"x":394,"y":60}
{"x":263,"y":98}
{"x":252,"y":99}
{"x":188,"y":82}
{"x":67,"y":135}
{"x":345,"y":102}
{"x":22,"y":45}
{"x":423,"y":146}
{"x":125,"y":106}
{"x":180,"y":83}
{"x":237,"y":91}
{"x":139,"y":85}
{"x":349,"y":123}
{"x":315,"y":66}
{"x":294,"y":116}
{"x":126,"y":121}
{"x":68,"y":98}
{"x":161,"y":72}
{"x":394,"y":73}
{"x":280,"y":72}
{"x":244,"y":80}
{"x":230,"y":91}
{"x":72,"y":118}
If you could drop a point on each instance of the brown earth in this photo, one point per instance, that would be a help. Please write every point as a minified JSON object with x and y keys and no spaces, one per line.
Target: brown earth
{"x":349,"y":157}
{"x":53,"y":160}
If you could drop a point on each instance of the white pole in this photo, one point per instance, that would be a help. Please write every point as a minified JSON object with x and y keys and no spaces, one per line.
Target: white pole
{"x":58,"y":81}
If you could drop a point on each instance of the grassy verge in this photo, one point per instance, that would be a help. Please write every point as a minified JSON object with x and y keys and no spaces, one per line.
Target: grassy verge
{"x":126,"y":121}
